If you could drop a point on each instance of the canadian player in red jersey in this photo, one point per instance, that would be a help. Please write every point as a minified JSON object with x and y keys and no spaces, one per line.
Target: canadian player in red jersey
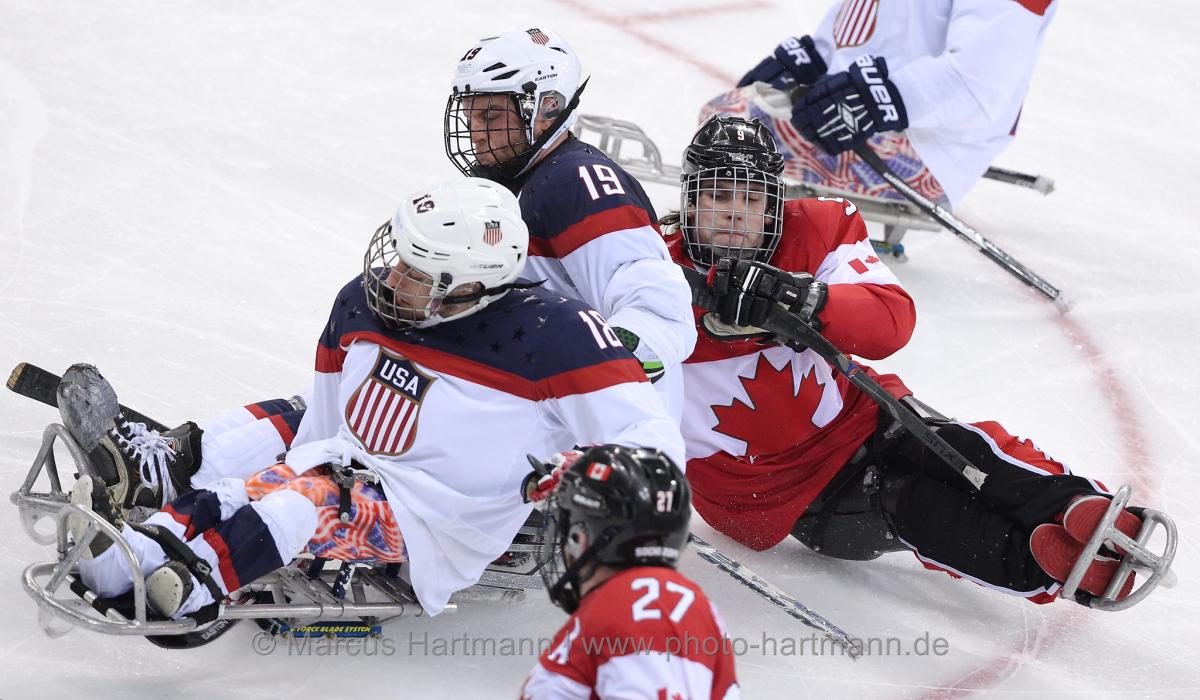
{"x":613,"y":530}
{"x":778,"y":443}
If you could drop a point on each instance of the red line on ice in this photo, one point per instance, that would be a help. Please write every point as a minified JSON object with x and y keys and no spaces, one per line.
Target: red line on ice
{"x":701,"y":11}
{"x":1122,"y":409}
{"x":649,"y":40}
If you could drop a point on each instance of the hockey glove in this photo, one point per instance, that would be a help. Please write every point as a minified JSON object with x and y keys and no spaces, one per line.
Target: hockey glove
{"x":539,"y":483}
{"x":843,"y":110}
{"x":795,"y":61}
{"x":651,"y":365}
{"x":748,"y":289}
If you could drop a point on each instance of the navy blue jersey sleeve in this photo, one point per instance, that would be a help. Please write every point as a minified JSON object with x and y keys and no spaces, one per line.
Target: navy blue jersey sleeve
{"x":577,"y":195}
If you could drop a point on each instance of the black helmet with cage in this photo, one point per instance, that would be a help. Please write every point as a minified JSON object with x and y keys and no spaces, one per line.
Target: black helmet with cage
{"x":615,"y":506}
{"x":731,"y":195}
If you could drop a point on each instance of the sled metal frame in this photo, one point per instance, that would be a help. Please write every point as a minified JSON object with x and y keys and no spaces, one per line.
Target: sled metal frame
{"x":1137,"y":556}
{"x":297,"y":597}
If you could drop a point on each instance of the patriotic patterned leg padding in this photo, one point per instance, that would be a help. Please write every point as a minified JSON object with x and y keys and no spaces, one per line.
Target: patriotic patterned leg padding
{"x":804,"y":162}
{"x":372,"y":534}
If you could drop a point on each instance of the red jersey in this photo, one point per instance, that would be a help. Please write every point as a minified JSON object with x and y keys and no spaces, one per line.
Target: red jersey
{"x":766,"y":427}
{"x":647,"y":632}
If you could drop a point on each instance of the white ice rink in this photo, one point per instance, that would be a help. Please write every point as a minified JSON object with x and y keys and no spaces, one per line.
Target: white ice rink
{"x":184,"y":186}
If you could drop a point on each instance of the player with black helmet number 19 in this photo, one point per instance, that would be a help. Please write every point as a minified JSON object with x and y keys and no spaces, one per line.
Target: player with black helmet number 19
{"x":593,"y":232}
{"x":613,"y":531}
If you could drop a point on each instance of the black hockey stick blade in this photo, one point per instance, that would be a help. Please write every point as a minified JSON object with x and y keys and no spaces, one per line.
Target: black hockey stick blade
{"x":791,"y":328}
{"x":41,"y":385}
{"x":1037,"y":183}
{"x":961,"y":229}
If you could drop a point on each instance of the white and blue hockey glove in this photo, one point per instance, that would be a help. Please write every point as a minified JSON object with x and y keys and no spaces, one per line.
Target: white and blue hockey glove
{"x":843,"y":110}
{"x":794,"y":62}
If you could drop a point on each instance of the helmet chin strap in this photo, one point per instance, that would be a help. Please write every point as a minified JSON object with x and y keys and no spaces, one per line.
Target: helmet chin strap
{"x":551,"y":131}
{"x":571,"y":575}
{"x":489,"y":291}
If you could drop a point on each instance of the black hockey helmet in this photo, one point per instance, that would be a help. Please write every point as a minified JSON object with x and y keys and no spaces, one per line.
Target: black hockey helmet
{"x":615,"y":506}
{"x":731,"y":179}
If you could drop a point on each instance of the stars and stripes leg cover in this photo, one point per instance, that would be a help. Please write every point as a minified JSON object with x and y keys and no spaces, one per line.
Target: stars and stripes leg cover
{"x":981,"y":536}
{"x":242,"y":451}
{"x":804,"y":162}
{"x":372,"y":533}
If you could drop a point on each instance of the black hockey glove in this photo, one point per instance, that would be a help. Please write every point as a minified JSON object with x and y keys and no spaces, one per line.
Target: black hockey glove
{"x":795,"y":61}
{"x":747,"y":289}
{"x":843,"y":110}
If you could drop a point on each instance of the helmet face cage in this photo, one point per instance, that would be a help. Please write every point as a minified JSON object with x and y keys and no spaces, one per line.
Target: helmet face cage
{"x":731,"y":212}
{"x":731,"y":199}
{"x":420,"y":296}
{"x":489,"y":134}
{"x":629,"y":507}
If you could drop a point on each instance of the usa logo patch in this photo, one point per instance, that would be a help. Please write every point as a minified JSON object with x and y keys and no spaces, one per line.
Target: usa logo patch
{"x":382,"y":413}
{"x":538,"y":36}
{"x":491,"y":232}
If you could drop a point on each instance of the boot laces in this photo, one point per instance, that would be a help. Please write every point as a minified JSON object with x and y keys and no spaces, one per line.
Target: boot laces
{"x":153,"y":453}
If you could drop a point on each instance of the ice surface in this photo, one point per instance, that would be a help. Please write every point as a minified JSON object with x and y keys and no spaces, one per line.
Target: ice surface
{"x":184,"y":186}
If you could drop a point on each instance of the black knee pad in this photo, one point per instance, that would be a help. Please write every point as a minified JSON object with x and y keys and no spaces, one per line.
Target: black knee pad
{"x":848,"y":521}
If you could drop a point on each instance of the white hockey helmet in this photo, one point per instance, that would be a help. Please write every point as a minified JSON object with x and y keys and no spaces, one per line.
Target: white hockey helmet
{"x":465,"y":232}
{"x":532,"y":73}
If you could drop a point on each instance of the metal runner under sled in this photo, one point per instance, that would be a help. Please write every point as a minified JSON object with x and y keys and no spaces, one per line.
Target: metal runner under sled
{"x":287,"y":599}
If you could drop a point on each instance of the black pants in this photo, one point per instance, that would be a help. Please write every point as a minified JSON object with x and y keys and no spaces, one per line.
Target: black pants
{"x":900,"y":494}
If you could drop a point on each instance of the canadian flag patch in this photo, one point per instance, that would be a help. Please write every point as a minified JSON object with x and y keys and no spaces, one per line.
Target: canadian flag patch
{"x":860,"y":266}
{"x":599,"y":471}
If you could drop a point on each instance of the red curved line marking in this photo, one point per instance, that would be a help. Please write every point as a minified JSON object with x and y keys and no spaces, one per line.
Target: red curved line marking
{"x":1134,"y":455}
{"x":698,"y":11}
{"x":619,"y":24}
{"x":1122,"y":408}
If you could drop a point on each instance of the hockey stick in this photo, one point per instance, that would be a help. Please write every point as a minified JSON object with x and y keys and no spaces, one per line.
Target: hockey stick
{"x":772,"y":593}
{"x":1037,"y":183}
{"x":960,"y":228}
{"x":791,"y":328}
{"x":41,"y":385}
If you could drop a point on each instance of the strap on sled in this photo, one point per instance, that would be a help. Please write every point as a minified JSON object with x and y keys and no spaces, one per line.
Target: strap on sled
{"x":344,"y":477}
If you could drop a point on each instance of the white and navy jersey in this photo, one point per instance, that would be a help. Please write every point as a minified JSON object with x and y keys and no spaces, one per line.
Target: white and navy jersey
{"x":767,"y":428}
{"x":647,"y":632}
{"x":593,"y":236}
{"x":446,"y":416}
{"x":962,"y":68}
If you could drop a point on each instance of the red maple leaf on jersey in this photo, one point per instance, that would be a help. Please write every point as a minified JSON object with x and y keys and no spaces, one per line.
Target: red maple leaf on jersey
{"x":777,"y":418}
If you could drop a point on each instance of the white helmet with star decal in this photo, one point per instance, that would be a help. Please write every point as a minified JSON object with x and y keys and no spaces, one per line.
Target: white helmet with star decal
{"x":449,"y":251}
{"x":511,"y":97}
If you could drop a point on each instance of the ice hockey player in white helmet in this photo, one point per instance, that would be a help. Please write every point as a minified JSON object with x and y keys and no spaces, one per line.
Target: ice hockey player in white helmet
{"x":593,"y":237}
{"x":593,"y":232}
{"x":437,"y":372}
